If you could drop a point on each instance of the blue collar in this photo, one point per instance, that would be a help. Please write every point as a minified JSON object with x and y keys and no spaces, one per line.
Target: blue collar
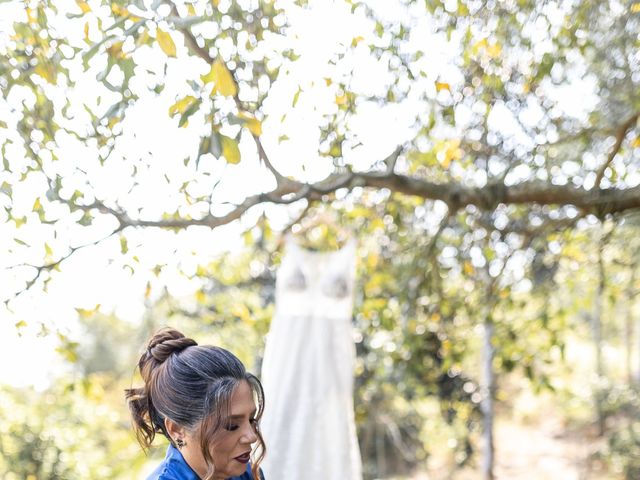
{"x":172,"y":467}
{"x":175,"y":467}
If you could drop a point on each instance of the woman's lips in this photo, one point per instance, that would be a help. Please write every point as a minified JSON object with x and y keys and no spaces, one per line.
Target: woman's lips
{"x":244,"y":458}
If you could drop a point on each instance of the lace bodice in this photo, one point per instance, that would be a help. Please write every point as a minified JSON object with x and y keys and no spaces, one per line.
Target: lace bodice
{"x":308,"y":279}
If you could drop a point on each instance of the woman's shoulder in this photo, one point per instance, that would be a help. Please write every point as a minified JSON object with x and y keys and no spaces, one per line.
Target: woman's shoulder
{"x":163,"y":473}
{"x":247,"y":475}
{"x":173,"y":467}
{"x":166,"y":472}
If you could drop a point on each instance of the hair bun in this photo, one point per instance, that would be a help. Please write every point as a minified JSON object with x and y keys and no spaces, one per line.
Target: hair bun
{"x":166,"y":342}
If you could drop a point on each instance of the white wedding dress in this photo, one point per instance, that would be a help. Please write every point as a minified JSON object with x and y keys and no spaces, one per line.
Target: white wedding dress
{"x":307,"y":372}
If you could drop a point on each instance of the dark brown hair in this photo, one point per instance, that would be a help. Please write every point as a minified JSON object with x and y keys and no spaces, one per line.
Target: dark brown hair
{"x":191,"y":385}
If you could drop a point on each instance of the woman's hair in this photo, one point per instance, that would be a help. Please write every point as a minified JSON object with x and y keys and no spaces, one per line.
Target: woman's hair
{"x":191,"y":385}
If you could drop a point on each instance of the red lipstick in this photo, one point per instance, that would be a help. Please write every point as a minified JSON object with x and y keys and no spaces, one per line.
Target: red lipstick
{"x":244,"y":458}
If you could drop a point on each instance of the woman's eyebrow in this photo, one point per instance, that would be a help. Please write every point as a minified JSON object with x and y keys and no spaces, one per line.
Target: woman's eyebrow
{"x":238,"y":416}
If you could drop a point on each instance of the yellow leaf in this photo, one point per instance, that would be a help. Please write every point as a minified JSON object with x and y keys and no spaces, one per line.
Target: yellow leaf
{"x":254,"y":126}
{"x":191,"y":10}
{"x":147,"y":291}
{"x":166,"y":43}
{"x":636,"y":142}
{"x":448,"y":151}
{"x":242,"y":312}
{"x":356,"y":41}
{"x":230,"y":149}
{"x":84,"y":312}
{"x":215,"y":3}
{"x":251,"y":123}
{"x":442,"y":86}
{"x":635,"y":8}
{"x":31,"y":17}
{"x":119,"y":10}
{"x":21,"y":324}
{"x":341,"y":99}
{"x":144,"y":39}
{"x":222,"y":80}
{"x":328,"y":81}
{"x":86,"y":32}
{"x":84,"y":6}
{"x":494,"y":50}
{"x":113,"y":122}
{"x":468,"y":268}
{"x":248,"y":238}
{"x":47,"y":72}
{"x":479,"y":45}
{"x":377,"y":223}
{"x":201,"y":297}
{"x":115,"y":50}
{"x":36,"y":205}
{"x":182,"y":105}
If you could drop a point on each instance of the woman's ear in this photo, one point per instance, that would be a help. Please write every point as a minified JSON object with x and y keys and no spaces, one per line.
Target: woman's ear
{"x":175,"y":431}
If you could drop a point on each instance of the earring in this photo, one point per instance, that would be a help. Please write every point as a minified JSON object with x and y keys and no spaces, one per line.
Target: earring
{"x":180,"y":443}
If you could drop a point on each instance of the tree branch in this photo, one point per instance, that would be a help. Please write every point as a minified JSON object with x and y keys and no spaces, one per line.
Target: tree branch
{"x":40,"y":269}
{"x":192,"y":44}
{"x":599,"y":202}
{"x":620,"y":134}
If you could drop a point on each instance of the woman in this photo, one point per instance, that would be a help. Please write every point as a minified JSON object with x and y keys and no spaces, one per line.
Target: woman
{"x":203,"y":401}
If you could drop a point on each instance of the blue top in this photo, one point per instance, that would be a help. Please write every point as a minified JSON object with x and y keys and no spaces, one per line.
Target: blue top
{"x":174,"y":467}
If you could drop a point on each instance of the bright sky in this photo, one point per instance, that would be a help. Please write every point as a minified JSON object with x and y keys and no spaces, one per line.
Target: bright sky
{"x":95,"y":275}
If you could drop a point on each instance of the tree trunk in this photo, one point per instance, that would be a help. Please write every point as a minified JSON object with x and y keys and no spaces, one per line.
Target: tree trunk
{"x":596,"y":325}
{"x":629,"y":326}
{"x":628,"y":343}
{"x":488,"y":353}
{"x":637,"y":372}
{"x":381,"y":454}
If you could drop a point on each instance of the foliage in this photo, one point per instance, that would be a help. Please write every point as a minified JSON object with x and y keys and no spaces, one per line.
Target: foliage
{"x":471,"y":147}
{"x":71,"y":431}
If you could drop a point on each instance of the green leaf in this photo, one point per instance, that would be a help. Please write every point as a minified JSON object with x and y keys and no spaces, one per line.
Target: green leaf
{"x":19,"y":222}
{"x":124,"y":247}
{"x":216,"y":144}
{"x":193,"y":108}
{"x":205,"y":146}
{"x":296,"y":97}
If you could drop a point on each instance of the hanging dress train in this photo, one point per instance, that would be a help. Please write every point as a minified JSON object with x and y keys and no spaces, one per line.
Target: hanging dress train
{"x":307,"y":372}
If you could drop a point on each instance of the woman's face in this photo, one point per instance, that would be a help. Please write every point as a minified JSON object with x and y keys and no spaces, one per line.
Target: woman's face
{"x":232,"y":448}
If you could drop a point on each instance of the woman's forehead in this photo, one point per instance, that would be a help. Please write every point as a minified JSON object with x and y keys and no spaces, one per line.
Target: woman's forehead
{"x":242,"y":402}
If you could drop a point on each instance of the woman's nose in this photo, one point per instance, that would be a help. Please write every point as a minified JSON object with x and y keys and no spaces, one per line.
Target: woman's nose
{"x":250,"y":435}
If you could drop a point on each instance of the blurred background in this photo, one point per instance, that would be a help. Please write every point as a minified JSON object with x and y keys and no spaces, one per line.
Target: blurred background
{"x":483,"y":155}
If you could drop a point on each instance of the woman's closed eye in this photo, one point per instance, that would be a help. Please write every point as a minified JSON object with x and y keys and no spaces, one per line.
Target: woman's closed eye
{"x":231,"y":427}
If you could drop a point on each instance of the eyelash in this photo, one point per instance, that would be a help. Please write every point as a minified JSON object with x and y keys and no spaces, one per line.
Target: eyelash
{"x":231,"y":428}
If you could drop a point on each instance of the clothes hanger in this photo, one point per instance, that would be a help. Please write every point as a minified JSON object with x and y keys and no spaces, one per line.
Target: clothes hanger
{"x":320,"y":231}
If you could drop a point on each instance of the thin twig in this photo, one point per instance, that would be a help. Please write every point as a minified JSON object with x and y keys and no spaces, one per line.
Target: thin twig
{"x":620,"y":134}
{"x":40,"y":269}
